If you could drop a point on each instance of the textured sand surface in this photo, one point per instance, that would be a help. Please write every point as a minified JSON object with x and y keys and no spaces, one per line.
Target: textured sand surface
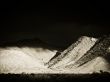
{"x":32,"y":60}
{"x":73,"y":53}
{"x":15,"y":60}
{"x":96,"y":65}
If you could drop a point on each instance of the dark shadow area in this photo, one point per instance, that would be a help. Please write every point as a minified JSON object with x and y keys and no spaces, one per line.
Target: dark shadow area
{"x":103,"y":76}
{"x":30,"y":43}
{"x":56,"y":24}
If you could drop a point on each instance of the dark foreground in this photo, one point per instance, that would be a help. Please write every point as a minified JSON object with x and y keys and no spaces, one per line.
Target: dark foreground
{"x":54,"y":77}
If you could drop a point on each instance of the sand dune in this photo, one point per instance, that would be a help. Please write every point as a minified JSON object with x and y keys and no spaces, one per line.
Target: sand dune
{"x":32,"y":59}
{"x":14,"y":59}
{"x":73,"y":53}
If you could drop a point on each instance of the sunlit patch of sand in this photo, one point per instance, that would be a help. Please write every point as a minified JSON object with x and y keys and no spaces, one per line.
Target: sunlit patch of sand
{"x":32,"y":60}
{"x":14,"y":59}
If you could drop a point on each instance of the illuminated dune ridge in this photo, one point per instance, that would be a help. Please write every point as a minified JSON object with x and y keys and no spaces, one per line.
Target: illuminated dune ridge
{"x":81,"y":57}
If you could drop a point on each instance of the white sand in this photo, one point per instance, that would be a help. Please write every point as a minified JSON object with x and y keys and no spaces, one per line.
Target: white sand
{"x":31,"y":60}
{"x":75,"y":52}
{"x":15,"y":60}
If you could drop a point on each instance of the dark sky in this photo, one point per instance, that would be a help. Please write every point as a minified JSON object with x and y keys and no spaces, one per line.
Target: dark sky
{"x":55,"y":23}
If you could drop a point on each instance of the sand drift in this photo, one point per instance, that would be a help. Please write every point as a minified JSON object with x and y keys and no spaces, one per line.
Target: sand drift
{"x":87,"y":55}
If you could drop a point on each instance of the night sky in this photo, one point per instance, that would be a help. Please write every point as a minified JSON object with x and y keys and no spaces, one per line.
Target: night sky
{"x":58,"y":24}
